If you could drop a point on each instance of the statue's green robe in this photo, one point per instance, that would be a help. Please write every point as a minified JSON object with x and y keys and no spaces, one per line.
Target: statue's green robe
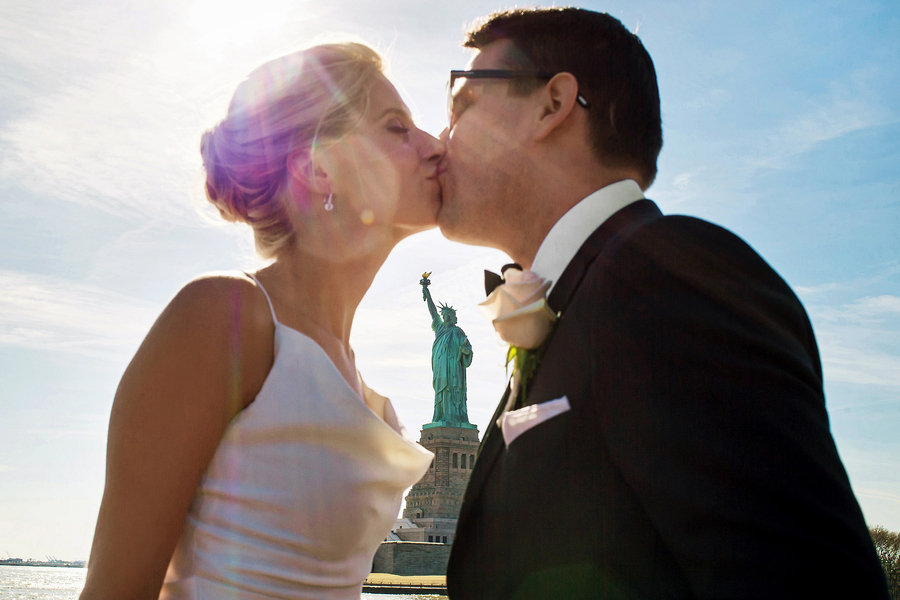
{"x":451,"y":353}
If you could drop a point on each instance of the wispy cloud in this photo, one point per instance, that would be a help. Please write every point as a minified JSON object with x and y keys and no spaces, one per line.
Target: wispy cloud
{"x":55,"y":41}
{"x":824,"y":121}
{"x":877,"y":306}
{"x":867,"y":310}
{"x":49,"y":313}
{"x":878,"y":495}
{"x":884,"y":274}
{"x":89,"y":144}
{"x":812,"y":290}
{"x":709,"y":99}
{"x":682,"y":181}
{"x":123,"y":136}
{"x":859,"y":340}
{"x":853,"y":362}
{"x":75,"y":426}
{"x":853,"y":101}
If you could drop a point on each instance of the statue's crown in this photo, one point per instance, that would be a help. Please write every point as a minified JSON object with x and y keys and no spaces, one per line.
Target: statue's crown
{"x":447,"y":307}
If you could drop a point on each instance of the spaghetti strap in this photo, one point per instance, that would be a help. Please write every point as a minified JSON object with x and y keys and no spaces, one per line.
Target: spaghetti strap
{"x":265,"y":293}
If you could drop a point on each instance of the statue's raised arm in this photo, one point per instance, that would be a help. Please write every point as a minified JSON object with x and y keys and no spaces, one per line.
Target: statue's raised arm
{"x":426,"y":296}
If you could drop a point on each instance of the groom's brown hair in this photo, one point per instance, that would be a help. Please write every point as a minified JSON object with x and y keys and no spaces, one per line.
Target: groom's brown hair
{"x":614,"y":72}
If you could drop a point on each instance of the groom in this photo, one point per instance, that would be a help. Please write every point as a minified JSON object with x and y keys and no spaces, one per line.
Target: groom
{"x":673,"y":440}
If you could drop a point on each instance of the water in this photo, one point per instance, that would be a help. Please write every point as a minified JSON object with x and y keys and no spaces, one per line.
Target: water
{"x":40,"y":583}
{"x":58,"y":583}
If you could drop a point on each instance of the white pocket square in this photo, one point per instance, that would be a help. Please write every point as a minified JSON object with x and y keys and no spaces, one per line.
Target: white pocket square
{"x":516,"y":422}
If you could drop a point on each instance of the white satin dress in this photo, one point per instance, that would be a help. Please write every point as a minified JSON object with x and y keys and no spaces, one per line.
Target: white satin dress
{"x":303,"y":487}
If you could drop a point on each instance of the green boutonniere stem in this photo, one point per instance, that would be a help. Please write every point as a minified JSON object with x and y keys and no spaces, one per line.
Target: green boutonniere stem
{"x":524,"y":363}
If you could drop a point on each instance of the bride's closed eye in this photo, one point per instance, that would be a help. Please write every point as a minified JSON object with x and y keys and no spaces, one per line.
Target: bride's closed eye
{"x":395,"y":126}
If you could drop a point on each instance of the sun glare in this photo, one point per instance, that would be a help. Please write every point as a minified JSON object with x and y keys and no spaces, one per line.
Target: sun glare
{"x":219,"y":24}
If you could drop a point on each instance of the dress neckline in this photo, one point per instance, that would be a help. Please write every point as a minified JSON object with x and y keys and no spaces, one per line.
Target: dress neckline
{"x":337,"y":373}
{"x":361,"y":401}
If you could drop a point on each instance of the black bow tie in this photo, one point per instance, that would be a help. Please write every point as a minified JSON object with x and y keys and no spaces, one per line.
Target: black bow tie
{"x":492,"y":280}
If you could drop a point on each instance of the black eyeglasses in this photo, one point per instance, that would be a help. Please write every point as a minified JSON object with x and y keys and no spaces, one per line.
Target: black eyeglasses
{"x":500,"y":74}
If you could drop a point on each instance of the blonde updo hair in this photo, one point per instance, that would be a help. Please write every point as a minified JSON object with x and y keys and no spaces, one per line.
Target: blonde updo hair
{"x":287,"y":105}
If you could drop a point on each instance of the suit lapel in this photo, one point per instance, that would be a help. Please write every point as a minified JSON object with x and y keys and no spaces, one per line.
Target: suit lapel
{"x":491,"y":445}
{"x":615,"y":228}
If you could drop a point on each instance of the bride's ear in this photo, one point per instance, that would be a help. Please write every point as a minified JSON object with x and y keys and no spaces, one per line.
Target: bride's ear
{"x":304,"y":169}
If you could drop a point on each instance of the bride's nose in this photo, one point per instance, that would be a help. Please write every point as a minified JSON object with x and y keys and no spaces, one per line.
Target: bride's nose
{"x":431,"y":148}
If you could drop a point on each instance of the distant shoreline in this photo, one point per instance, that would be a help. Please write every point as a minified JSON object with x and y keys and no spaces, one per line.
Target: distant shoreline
{"x":18,"y":562}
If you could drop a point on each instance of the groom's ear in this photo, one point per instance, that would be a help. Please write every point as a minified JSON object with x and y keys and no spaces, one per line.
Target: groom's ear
{"x":557,"y":100}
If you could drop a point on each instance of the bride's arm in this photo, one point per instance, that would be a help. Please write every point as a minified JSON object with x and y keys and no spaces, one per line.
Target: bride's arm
{"x":194,"y":371}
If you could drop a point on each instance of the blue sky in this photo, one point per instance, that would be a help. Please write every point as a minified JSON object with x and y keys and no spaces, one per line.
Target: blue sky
{"x":781,"y":122}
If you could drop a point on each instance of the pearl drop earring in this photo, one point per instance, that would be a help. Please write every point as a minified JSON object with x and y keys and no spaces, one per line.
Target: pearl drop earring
{"x":329,"y":202}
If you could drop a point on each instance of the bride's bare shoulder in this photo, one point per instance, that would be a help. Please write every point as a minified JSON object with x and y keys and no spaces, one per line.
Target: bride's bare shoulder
{"x":215,"y":324}
{"x":216,"y":308}
{"x":212,"y":287}
{"x":221,"y":297}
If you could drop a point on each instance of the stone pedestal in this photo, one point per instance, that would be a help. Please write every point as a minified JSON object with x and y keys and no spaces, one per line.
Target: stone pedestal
{"x":433,"y":503}
{"x":411,"y":558}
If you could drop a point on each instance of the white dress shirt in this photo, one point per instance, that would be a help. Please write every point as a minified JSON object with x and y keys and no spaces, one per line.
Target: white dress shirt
{"x":553,"y":256}
{"x":573,"y":228}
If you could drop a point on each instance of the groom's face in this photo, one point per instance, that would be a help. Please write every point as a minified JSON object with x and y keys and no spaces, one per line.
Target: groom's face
{"x":485,"y":154}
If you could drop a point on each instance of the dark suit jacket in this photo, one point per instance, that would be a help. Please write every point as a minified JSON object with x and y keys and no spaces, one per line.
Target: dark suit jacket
{"x":696,"y":460}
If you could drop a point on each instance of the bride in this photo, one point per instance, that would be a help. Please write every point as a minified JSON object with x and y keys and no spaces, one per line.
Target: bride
{"x":246,"y":456}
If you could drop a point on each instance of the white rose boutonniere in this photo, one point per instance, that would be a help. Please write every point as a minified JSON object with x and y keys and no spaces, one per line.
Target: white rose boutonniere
{"x":520,"y":314}
{"x":518,"y":309}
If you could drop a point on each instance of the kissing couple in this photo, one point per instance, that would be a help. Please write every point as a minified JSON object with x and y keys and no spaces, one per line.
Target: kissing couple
{"x":670,"y":439}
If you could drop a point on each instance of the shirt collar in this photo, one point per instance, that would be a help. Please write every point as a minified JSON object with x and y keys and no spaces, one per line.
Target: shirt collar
{"x":573,"y":228}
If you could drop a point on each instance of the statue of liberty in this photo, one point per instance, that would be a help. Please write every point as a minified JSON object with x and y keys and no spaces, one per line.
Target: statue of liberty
{"x":451,"y":353}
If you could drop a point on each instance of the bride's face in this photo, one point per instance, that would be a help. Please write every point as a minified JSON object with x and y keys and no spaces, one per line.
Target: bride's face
{"x":386,"y":169}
